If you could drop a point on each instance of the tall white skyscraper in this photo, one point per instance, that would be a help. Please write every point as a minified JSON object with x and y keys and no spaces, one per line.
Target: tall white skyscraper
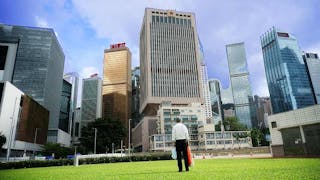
{"x":91,"y":99}
{"x":169,"y":59}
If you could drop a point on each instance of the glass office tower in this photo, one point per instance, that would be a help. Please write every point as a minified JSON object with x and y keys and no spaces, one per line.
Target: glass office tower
{"x":287,"y":78}
{"x":34,"y":64}
{"x":240,"y":85}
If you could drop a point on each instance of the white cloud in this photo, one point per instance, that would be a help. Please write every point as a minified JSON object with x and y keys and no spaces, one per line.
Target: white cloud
{"x":41,"y":22}
{"x":88,"y":71}
{"x":314,"y":48}
{"x":218,"y":24}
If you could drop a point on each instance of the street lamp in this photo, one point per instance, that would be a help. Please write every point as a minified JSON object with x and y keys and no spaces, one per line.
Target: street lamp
{"x":95,"y":140}
{"x":129,"y":136}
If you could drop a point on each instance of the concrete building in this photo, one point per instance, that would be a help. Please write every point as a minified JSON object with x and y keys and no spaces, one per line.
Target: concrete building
{"x":170,"y":67}
{"x":287,"y":77}
{"x":141,"y":133}
{"x":240,"y":84}
{"x":116,"y":89}
{"x":91,"y":99}
{"x":296,"y":132}
{"x":191,"y":115}
{"x":23,"y":121}
{"x":33,"y":61}
{"x":312,"y":63}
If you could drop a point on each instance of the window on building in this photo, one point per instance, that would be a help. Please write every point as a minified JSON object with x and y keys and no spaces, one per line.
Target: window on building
{"x":274,"y":124}
{"x":153,"y":18}
{"x":3,"y":56}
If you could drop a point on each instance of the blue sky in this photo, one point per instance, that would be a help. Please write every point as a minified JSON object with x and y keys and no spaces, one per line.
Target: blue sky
{"x":85,"y":28}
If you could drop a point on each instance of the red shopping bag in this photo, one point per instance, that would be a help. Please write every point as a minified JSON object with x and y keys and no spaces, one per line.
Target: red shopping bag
{"x":190,"y":160}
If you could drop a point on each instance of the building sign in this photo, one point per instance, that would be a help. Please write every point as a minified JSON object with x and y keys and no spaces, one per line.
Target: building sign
{"x":119,"y":45}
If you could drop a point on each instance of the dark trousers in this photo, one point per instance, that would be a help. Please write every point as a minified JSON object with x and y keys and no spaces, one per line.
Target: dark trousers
{"x":181,"y":147}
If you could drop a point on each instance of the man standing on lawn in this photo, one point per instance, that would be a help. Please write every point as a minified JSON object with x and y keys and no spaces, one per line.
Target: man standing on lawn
{"x":180,"y":136}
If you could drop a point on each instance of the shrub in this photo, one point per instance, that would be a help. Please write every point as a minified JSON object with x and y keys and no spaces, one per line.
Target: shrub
{"x":66,"y":162}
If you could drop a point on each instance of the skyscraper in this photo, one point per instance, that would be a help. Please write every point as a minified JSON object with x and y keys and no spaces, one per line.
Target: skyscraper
{"x":287,"y":77}
{"x":312,"y":62}
{"x":34,"y":62}
{"x":91,"y":99}
{"x":169,"y":60}
{"x":65,"y":118}
{"x":73,"y":79}
{"x":215,"y":98}
{"x":135,"y":103}
{"x":116,"y":89}
{"x":205,"y":87}
{"x":240,"y":85}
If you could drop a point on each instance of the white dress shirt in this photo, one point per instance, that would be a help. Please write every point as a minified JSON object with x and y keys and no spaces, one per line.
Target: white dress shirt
{"x":180,"y":131}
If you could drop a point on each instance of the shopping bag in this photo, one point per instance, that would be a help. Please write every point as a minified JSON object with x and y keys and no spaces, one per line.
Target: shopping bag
{"x":174,"y":153}
{"x":190,"y":160}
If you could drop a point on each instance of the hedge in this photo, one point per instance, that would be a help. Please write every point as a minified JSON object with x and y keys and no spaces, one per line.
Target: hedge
{"x":67,"y":162}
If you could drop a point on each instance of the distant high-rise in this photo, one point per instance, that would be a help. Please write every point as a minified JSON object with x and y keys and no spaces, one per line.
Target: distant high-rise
{"x":215,"y":98}
{"x":65,"y":118}
{"x":286,"y":73}
{"x":240,"y":85}
{"x":205,"y":88}
{"x":312,"y":62}
{"x":33,"y":60}
{"x":169,"y":60}
{"x":135,"y":103}
{"x":73,"y":79}
{"x":116,"y":89}
{"x":91,"y":99}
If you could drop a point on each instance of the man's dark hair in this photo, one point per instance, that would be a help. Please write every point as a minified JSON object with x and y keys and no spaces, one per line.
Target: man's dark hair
{"x":178,"y":120}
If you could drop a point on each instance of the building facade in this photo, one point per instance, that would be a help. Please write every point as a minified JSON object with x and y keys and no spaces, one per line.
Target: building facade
{"x":91,"y":99}
{"x":73,"y":79}
{"x":116,"y":89}
{"x":202,"y":135}
{"x":135,"y":102}
{"x":205,"y":87}
{"x":296,"y":132}
{"x":240,"y":84}
{"x":215,"y":98}
{"x":34,"y":64}
{"x":263,"y":110}
{"x":23,"y":121}
{"x":312,"y":62}
{"x":65,"y":119}
{"x":287,"y":77}
{"x":169,"y":60}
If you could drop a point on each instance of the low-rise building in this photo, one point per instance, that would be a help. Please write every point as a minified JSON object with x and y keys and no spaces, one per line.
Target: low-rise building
{"x":23,"y":121}
{"x":295,"y":132}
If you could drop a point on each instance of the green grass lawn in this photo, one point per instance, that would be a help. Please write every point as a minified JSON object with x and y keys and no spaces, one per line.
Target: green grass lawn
{"x":204,"y":169}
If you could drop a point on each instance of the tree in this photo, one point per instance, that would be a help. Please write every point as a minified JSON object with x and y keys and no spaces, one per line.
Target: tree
{"x":233,"y":124}
{"x":239,"y":136}
{"x":57,"y":149}
{"x":108,"y":131}
{"x":3,"y":140}
{"x":258,"y":137}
